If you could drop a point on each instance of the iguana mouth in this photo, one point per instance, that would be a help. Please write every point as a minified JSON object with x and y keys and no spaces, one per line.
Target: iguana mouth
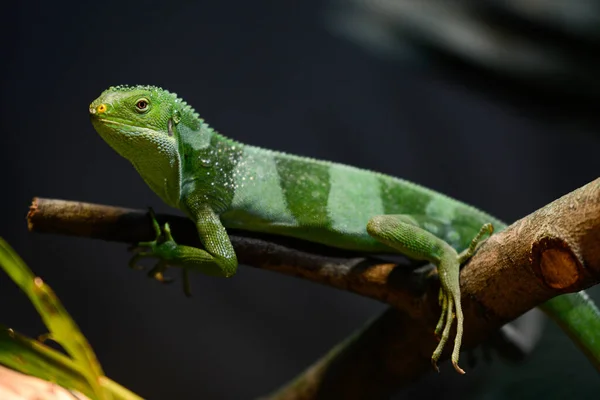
{"x":125,"y":124}
{"x":110,"y":121}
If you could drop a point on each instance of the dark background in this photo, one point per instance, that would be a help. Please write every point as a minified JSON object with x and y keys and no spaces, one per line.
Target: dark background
{"x":274,"y":75}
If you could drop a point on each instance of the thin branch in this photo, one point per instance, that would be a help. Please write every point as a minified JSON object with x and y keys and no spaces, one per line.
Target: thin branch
{"x":341,"y":269}
{"x":550,"y":252}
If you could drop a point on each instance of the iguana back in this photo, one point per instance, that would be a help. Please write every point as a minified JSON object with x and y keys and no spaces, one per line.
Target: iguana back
{"x":331,"y":203}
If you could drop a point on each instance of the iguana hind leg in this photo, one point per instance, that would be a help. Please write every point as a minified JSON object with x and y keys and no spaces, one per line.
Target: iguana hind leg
{"x":402,"y":233}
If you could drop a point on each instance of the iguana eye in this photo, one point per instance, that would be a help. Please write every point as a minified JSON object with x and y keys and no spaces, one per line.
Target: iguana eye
{"x":141,"y":105}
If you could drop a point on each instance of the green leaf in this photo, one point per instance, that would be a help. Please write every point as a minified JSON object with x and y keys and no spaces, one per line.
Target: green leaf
{"x":79,"y":371}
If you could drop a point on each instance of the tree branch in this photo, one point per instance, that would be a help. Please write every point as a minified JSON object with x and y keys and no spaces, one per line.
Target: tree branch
{"x":550,"y":252}
{"x":341,"y":269}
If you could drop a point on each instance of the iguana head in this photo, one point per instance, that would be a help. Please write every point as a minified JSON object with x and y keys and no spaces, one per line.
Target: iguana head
{"x":138,"y":122}
{"x":128,"y":117}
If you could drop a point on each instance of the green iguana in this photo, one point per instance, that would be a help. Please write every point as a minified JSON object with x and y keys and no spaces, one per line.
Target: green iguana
{"x":220,"y":183}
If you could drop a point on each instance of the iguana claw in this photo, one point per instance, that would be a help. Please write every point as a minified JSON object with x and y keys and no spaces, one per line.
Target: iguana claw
{"x":161,"y":247}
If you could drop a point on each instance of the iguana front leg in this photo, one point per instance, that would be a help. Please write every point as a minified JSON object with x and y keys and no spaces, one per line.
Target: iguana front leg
{"x":401,"y":232}
{"x":216,"y":259}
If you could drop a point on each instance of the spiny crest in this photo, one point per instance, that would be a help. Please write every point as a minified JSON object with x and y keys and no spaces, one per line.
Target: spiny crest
{"x":128,"y":88}
{"x":185,"y":106}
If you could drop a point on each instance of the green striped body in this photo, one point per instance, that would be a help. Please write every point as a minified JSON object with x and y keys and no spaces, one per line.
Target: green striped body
{"x":332,"y":203}
{"x":183,"y":160}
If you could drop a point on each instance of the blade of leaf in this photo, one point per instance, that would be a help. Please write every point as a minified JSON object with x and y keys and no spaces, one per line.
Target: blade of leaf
{"x":82,"y":373}
{"x":34,"y":358}
{"x":61,"y":326}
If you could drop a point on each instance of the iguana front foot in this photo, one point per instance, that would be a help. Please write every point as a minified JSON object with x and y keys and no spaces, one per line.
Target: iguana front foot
{"x":168,"y":253}
{"x":162,"y":247}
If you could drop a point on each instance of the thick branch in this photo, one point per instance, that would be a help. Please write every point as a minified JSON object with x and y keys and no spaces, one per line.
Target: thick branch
{"x":550,"y":252}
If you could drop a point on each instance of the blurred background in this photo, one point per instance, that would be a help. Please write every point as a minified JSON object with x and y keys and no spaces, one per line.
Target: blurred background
{"x":492,"y":103}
